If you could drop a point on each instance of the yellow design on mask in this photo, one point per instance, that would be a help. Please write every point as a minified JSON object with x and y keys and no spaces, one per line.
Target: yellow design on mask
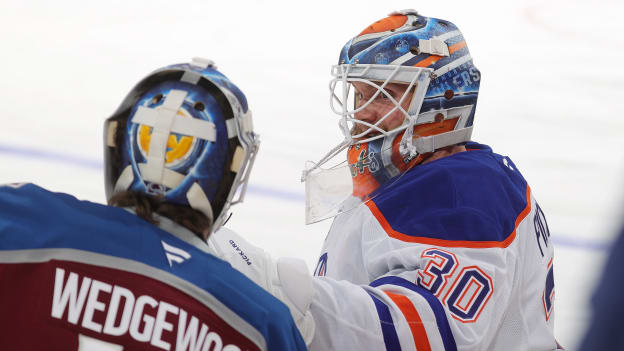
{"x":178,"y":146}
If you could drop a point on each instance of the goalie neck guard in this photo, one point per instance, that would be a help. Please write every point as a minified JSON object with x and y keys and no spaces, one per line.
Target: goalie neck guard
{"x":184,"y":135}
{"x":429,"y":58}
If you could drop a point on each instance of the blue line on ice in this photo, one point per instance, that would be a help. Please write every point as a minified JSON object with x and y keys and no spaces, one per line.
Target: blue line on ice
{"x":52,"y":156}
{"x":573,"y":242}
{"x":98,"y":165}
{"x":559,"y":240}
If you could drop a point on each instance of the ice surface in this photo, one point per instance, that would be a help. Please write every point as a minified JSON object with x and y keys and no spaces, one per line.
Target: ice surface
{"x":551,"y":98}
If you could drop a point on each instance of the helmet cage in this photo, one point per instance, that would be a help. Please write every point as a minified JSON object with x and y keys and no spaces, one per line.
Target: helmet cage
{"x":416,"y":79}
{"x":376,"y":76}
{"x":250,"y":143}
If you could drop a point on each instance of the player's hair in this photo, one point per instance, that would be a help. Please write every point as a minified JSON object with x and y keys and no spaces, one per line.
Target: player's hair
{"x":145,"y":205}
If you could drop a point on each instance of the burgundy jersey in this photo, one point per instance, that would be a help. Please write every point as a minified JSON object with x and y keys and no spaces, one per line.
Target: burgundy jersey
{"x":81,"y":276}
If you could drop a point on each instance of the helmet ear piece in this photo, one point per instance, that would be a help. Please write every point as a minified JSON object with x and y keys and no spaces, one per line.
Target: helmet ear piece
{"x":226,"y":184}
{"x":113,"y":140}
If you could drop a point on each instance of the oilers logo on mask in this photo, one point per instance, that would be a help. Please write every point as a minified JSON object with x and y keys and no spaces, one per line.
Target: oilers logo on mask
{"x":364,"y":160}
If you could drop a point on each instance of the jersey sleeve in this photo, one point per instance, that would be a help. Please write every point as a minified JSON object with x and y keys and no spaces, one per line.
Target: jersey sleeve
{"x":391,"y":313}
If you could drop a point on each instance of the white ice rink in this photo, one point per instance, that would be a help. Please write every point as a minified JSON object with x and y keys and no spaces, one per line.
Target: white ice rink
{"x":551,"y":98}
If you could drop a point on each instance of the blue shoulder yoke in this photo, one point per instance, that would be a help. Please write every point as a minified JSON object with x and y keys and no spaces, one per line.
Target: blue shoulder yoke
{"x":473,"y":197}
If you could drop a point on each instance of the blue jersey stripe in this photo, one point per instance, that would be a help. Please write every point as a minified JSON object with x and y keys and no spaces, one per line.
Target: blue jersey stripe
{"x":435,"y":304}
{"x":391,"y":339}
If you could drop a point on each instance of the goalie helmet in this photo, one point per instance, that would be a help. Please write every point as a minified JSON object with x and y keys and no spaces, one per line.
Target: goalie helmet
{"x":184,"y":135}
{"x":426,"y":56}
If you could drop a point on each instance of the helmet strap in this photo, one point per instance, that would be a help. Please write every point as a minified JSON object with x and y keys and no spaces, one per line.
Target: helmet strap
{"x":426,"y":144}
{"x":199,"y":201}
{"x":407,"y":147}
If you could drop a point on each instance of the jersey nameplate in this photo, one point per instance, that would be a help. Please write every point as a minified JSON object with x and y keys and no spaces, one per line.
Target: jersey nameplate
{"x":76,"y":301}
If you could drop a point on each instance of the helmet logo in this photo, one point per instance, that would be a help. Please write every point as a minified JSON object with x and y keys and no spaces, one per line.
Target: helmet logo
{"x":381,"y":58}
{"x":364,"y":160}
{"x":179,"y":147}
{"x":402,"y":46}
{"x":155,"y":189}
{"x":363,"y":165}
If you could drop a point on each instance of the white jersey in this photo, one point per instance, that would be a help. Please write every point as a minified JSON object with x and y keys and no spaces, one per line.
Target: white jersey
{"x":455,"y":255}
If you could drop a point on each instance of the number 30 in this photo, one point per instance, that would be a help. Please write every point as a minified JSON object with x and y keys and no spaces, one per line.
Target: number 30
{"x":470,"y":291}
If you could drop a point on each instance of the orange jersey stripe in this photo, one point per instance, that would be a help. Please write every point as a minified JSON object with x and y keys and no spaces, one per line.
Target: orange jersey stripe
{"x":433,"y":59}
{"x":413,"y":320}
{"x":450,"y":243}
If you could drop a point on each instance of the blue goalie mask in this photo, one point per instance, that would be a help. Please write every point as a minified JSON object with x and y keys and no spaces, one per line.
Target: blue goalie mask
{"x":184,"y":135}
{"x":404,"y":87}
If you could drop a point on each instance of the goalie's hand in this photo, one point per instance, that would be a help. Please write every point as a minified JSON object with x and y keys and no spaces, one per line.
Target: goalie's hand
{"x":288,"y":279}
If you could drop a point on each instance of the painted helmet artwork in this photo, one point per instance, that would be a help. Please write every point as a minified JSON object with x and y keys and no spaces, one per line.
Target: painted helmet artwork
{"x":183,"y":134}
{"x":429,"y":60}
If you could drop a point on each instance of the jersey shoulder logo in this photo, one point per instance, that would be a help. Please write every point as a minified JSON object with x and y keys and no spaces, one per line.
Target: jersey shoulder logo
{"x":175,"y":254}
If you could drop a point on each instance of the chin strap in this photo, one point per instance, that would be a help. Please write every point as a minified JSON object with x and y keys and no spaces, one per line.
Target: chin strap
{"x":421,"y":145}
